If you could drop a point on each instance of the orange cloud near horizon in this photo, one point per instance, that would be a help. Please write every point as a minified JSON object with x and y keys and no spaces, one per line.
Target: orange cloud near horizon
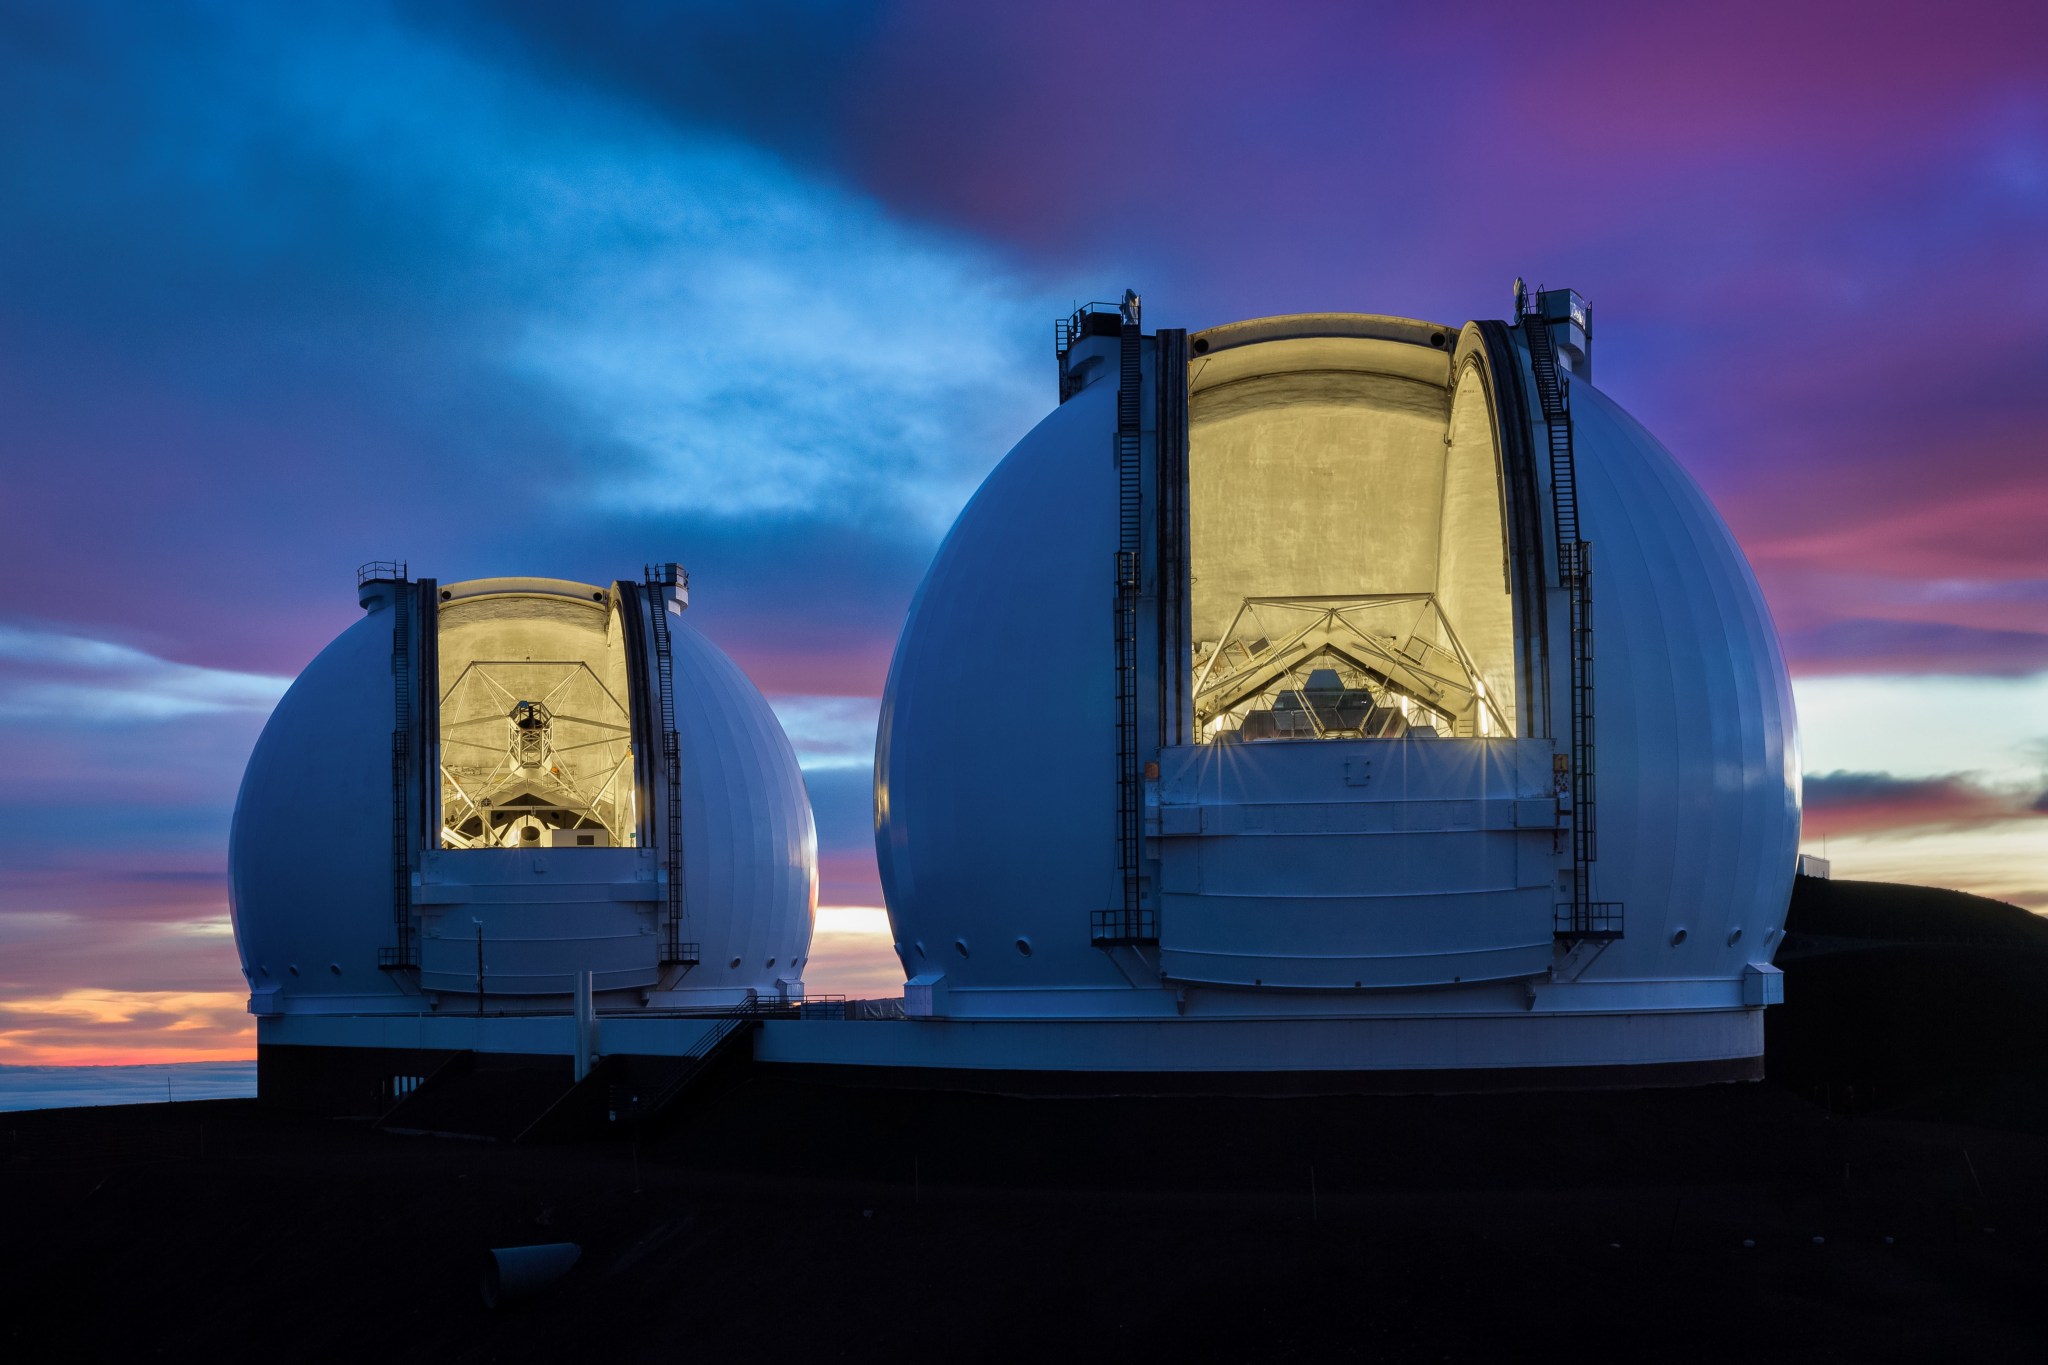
{"x":87,"y":1027}
{"x":850,"y":955}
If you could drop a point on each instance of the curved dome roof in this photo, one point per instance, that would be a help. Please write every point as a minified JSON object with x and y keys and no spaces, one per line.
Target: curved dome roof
{"x":311,"y":857}
{"x":750,"y":845}
{"x":994,"y":764}
{"x":997,"y":759}
{"x":1699,"y":753}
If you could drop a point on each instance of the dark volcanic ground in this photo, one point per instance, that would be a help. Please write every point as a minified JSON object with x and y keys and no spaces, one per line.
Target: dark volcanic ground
{"x":788,"y":1219}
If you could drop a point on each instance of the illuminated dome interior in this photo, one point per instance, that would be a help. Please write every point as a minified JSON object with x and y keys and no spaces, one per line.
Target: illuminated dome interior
{"x":536,"y":726}
{"x":1347,"y":553}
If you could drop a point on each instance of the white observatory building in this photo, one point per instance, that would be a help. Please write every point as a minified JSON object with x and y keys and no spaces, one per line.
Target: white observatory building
{"x":1337,"y":695}
{"x":489,"y":806}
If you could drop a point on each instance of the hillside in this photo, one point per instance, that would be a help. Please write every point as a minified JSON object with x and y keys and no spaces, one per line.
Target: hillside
{"x":855,"y":1223}
{"x":1894,"y":912}
{"x":1913,"y":1001}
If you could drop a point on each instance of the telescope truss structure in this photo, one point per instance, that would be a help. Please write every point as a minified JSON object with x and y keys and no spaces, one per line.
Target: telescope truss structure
{"x":1373,"y":666}
{"x":530,"y":746}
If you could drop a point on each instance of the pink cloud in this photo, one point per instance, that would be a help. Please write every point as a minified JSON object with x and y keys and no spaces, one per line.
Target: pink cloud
{"x":849,"y":877}
{"x":851,"y":666}
{"x":1843,"y":804}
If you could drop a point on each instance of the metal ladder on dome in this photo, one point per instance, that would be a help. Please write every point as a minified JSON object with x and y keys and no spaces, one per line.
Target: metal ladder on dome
{"x":1131,"y":922}
{"x":399,"y":957}
{"x":674,"y":950}
{"x":1581,"y":918}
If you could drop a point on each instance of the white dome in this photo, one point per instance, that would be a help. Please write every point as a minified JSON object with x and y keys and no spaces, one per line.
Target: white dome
{"x":339,"y":907}
{"x":991,"y":828}
{"x":1699,"y":754}
{"x":1387,"y":482}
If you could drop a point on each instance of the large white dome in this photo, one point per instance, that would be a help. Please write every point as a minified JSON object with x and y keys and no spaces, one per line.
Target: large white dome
{"x":1352,"y":741}
{"x":523,"y":796}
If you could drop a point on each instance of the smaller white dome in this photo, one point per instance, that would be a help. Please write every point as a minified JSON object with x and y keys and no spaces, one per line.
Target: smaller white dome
{"x":490,"y":758}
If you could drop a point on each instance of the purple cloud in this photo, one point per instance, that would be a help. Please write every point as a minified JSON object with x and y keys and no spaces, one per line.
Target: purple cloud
{"x":1852,"y":803}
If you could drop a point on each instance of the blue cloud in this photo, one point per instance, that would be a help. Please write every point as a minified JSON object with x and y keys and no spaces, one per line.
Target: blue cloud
{"x":842,"y":800}
{"x":50,"y":675}
{"x":781,"y":73}
{"x":696,"y":324}
{"x":1871,"y":644}
{"x":830,"y":734}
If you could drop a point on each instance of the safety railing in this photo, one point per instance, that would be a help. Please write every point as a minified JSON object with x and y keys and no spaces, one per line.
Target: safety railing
{"x":381,"y":571}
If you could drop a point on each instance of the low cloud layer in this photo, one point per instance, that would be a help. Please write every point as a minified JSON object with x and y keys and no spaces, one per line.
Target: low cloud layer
{"x":57,"y":1086}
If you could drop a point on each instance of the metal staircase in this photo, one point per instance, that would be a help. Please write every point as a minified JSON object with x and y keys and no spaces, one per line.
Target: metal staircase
{"x":1581,"y":917}
{"x":1132,"y":921}
{"x":675,"y":950}
{"x":481,"y":1096}
{"x":644,"y":1089}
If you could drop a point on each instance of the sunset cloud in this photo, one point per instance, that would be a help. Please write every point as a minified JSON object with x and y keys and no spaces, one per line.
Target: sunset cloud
{"x":2007,"y":860}
{"x":851,"y":954}
{"x":1867,"y":646}
{"x":83,"y":1025}
{"x":1845,"y":803}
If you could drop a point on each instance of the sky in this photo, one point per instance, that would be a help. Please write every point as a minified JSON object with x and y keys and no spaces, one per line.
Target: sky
{"x":767,"y":287}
